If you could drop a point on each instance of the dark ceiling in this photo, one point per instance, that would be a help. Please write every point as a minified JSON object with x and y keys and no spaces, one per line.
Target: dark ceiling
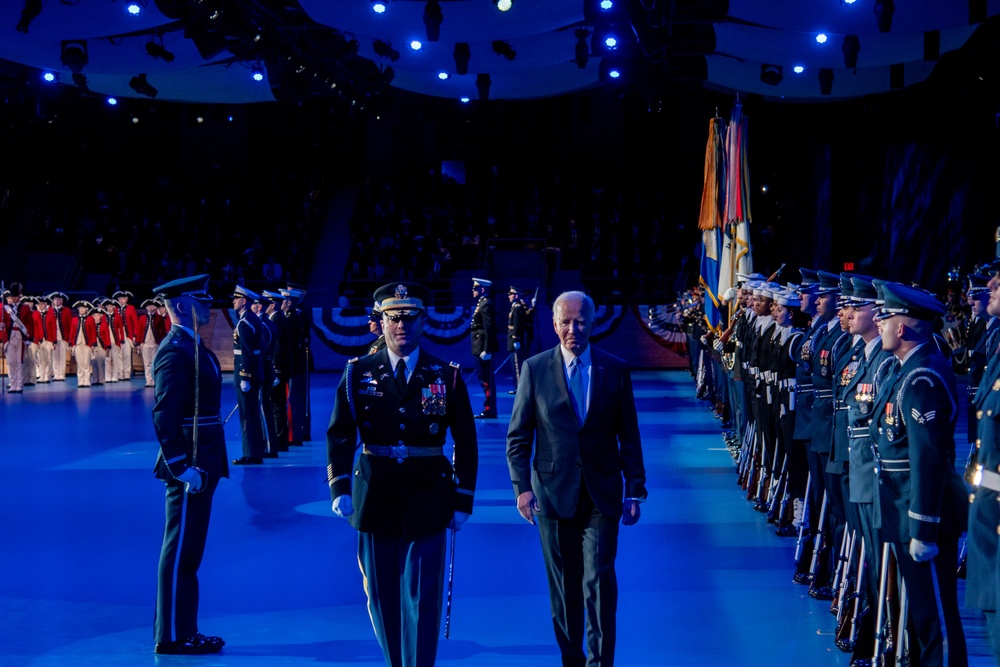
{"x":207,"y":50}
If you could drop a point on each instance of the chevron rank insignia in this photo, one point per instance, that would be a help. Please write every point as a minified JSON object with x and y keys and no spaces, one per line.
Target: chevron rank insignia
{"x":922,"y":418}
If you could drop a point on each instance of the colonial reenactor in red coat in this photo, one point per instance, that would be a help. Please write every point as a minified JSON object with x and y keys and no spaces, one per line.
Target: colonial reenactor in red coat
{"x":64,"y":321}
{"x":103,"y":344}
{"x":47,"y":333}
{"x":152,"y":330}
{"x":83,"y":336}
{"x":116,"y":353}
{"x":130,"y":321}
{"x":31,"y":350}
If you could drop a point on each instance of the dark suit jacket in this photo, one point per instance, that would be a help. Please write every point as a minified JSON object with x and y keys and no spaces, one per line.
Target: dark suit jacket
{"x":415,"y":496}
{"x":606,"y":448}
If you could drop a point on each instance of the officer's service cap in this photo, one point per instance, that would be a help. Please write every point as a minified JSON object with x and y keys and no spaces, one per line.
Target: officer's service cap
{"x":863,"y":290}
{"x":292,"y":294}
{"x":61,"y":295}
{"x":193,"y":286}
{"x":899,"y":299}
{"x":481,"y":282}
{"x":241,"y":292}
{"x":402,"y":298}
{"x":515,"y":290}
{"x":809,"y":276}
{"x":376,"y":314}
{"x":829,"y":283}
{"x":262,"y":300}
{"x":273,"y":296}
{"x":990,"y":268}
{"x":976,"y":285}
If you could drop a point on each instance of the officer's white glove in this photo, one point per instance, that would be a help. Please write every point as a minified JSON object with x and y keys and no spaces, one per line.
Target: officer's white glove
{"x":922,"y":551}
{"x":717,"y":344}
{"x":194,"y":479}
{"x":485,"y":356}
{"x":517,"y":346}
{"x":244,"y":386}
{"x":458,"y":520}
{"x":276,"y":382}
{"x":533,"y":300}
{"x":343,"y":506}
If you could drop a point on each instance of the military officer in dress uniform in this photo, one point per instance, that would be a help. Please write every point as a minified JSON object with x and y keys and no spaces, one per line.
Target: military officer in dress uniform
{"x":922,"y":508}
{"x":282,"y":361}
{"x":269,"y":343}
{"x":484,"y":344}
{"x":375,"y":327}
{"x":18,"y":328}
{"x":248,"y":374}
{"x":63,"y":343}
{"x":190,"y":462}
{"x":981,"y":585}
{"x":297,"y":330}
{"x":982,"y":330}
{"x":403,"y":492}
{"x":517,"y":323}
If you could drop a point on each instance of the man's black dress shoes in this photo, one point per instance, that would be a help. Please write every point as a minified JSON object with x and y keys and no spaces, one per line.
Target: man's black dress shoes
{"x":196,"y":645}
{"x":248,"y":460}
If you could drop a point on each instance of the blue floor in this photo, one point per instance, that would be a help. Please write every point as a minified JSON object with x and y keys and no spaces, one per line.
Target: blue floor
{"x":703,"y":578}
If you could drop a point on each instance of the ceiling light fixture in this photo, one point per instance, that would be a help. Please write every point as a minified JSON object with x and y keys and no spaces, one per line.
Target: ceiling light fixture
{"x":432,"y":20}
{"x":462,"y":54}
{"x":851,"y":47}
{"x":159,"y":51}
{"x":503,"y":5}
{"x":771,"y":74}
{"x":379,"y":7}
{"x":140,"y":85}
{"x":74,"y":55}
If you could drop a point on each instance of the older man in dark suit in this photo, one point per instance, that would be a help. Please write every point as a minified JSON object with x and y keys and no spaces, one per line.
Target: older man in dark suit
{"x":575,"y":409}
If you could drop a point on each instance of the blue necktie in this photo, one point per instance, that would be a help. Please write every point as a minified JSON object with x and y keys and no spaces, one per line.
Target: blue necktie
{"x":578,"y":387}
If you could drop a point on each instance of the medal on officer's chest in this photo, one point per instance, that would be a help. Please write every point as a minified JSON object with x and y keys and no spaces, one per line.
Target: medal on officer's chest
{"x":370,"y":385}
{"x":848,"y":373}
{"x":864,"y":396}
{"x":433,"y":398}
{"x":824,"y":362}
{"x":890,"y":417}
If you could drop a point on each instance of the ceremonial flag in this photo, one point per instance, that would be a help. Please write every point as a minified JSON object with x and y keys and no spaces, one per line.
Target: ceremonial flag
{"x":710,"y":221}
{"x":736,"y":250}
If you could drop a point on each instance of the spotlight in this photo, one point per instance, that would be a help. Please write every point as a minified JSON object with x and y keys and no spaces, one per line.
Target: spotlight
{"x":50,"y":77}
{"x":140,"y":85}
{"x":432,"y":20}
{"x":443,"y":76}
{"x":771,"y":74}
{"x":31,"y":9}
{"x":821,"y":38}
{"x":600,"y":12}
{"x":257,"y":72}
{"x":158,"y":51}
{"x":462,"y":54}
{"x":379,"y":7}
{"x":385,"y":50}
{"x":798,"y":69}
{"x":483,"y":86}
{"x":883,"y":14}
{"x":610,"y":39}
{"x":74,"y":54}
{"x":502,"y":48}
{"x":416,"y":45}
{"x":614,"y":70}
{"x":851,"y":47}
{"x":825,"y":80}
{"x":135,"y":7}
{"x":582,"y":50}
{"x":503,"y":5}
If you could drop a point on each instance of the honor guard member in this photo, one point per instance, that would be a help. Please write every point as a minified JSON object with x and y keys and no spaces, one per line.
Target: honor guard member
{"x":375,"y":327}
{"x":47,"y":333}
{"x":125,"y":313}
{"x":821,"y":347}
{"x":981,"y":585}
{"x":298,"y":378}
{"x":484,"y":344}
{"x":859,"y":489}
{"x":31,"y":343}
{"x":116,"y":326}
{"x":403,"y":492}
{"x":517,"y":323}
{"x":101,"y":350}
{"x":191,"y":461}
{"x":982,"y":330}
{"x":248,"y":374}
{"x":18,"y":327}
{"x":84,"y":337}
{"x":63,"y":343}
{"x":921,"y":499}
{"x":282,"y":360}
{"x":269,"y":342}
{"x":152,"y":331}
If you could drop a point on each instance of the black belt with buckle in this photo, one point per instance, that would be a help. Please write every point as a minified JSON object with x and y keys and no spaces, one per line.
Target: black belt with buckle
{"x":401,"y":451}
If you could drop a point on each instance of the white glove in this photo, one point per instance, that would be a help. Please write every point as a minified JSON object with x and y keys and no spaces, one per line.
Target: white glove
{"x":517,"y":346}
{"x":485,"y":356}
{"x":717,"y":344}
{"x":533,"y":300}
{"x":276,"y":382}
{"x":244,"y":386}
{"x":458,"y":520}
{"x":922,"y":551}
{"x":193,"y":479}
{"x":343,"y":506}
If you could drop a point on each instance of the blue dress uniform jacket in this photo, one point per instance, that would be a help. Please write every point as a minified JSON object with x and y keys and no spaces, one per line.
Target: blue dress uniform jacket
{"x":822,"y":376}
{"x":404,"y":496}
{"x":919,"y":493}
{"x":247,"y":346}
{"x":804,"y":390}
{"x":984,"y":513}
{"x":847,"y":356}
{"x":860,"y":399}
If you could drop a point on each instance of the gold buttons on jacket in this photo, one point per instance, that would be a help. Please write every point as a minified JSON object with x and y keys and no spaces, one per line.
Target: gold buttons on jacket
{"x":979,"y":414}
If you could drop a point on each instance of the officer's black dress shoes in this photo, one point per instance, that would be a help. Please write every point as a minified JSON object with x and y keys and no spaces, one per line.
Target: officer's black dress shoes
{"x":248,"y":460}
{"x":196,"y":645}
{"x":271,"y":455}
